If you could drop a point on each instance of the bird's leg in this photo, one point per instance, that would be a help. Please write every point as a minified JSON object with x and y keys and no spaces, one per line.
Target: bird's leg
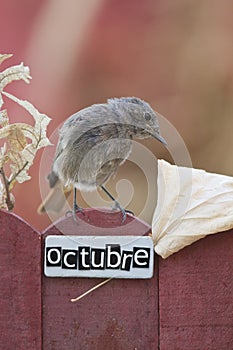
{"x":75,"y":208}
{"x":117,"y":204}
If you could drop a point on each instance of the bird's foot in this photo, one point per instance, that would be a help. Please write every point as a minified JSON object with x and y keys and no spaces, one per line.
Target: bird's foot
{"x":123,"y":210}
{"x":117,"y":204}
{"x":129,"y":212}
{"x":76,"y":209}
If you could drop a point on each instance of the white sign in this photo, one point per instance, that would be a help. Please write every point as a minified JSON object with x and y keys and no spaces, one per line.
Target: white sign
{"x":99,"y":256}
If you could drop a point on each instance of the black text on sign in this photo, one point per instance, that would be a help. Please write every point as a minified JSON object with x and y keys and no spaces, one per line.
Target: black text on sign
{"x":99,"y":256}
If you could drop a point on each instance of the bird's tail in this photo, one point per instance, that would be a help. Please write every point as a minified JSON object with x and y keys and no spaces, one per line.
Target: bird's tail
{"x":56,"y":198}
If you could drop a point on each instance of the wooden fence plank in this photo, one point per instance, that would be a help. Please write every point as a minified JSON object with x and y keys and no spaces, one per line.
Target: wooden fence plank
{"x":118,"y":316}
{"x":196,"y":298}
{"x":20,"y":284}
{"x":195,"y":294}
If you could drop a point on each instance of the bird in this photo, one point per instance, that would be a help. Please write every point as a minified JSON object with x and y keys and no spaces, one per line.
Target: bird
{"x":94,"y":142}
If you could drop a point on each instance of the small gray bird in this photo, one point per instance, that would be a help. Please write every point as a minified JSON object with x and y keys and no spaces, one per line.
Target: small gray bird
{"x":95,"y":141}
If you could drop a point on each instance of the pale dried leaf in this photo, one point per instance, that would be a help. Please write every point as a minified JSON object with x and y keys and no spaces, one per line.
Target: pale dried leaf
{"x":39,"y":117}
{"x":4,"y":120}
{"x":22,"y":153}
{"x":27,"y":130}
{"x":28,"y":154}
{"x":16,"y":138}
{"x":2,"y":155}
{"x":38,"y":133}
{"x":22,"y":140}
{"x":3,"y":150}
{"x":4,"y":56}
{"x":2,"y":196}
{"x":191,"y":204}
{"x":22,"y":162}
{"x":17,"y":128}
{"x":18,"y":72}
{"x":5,"y":131}
{"x":44,"y":142}
{"x":17,"y":161}
{"x":22,"y":175}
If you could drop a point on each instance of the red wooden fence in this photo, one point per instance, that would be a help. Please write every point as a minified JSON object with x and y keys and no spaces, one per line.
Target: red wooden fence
{"x":188,"y":304}
{"x":20,"y":284}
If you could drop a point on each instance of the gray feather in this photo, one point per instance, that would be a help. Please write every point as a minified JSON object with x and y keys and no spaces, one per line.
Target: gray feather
{"x":96,"y":140}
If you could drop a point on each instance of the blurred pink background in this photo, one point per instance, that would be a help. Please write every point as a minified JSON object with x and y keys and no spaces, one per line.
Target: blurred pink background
{"x":177,"y":55}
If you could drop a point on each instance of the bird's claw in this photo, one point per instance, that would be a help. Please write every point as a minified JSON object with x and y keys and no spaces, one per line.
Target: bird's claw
{"x":129,"y":212}
{"x":123,"y":211}
{"x":76,"y":209}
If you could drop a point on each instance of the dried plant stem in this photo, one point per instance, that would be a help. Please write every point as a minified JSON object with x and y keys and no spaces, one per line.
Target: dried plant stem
{"x":18,"y":172}
{"x":91,"y":290}
{"x":9,"y":203}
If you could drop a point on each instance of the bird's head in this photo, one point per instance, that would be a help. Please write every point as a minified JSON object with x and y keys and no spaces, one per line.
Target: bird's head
{"x":141,"y":119}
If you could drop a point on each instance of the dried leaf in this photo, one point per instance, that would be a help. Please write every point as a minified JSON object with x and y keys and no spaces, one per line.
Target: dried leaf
{"x":2,"y":155}
{"x":2,"y":196}
{"x":16,"y":138}
{"x":18,"y":72}
{"x":22,"y":154}
{"x":4,"y":56}
{"x":38,"y":133}
{"x":20,"y":174}
{"x":22,"y":141}
{"x":4,"y":120}
{"x":191,"y":204}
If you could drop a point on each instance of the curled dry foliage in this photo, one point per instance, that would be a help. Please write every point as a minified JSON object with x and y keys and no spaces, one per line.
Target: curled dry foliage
{"x":192,"y":204}
{"x":20,"y":140}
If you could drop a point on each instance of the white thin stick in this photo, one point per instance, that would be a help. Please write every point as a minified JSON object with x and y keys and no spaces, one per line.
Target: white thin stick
{"x":91,"y":290}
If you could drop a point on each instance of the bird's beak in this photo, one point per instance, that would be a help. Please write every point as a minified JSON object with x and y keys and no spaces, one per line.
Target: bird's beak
{"x":160,"y":139}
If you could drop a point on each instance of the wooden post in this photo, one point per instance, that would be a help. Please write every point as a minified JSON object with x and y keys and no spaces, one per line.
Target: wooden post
{"x":188,"y":304}
{"x":119,"y":315}
{"x":20,"y":284}
{"x":196,"y":296}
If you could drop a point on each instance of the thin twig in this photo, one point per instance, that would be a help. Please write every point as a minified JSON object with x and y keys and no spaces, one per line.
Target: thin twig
{"x":9,"y":203}
{"x":18,"y":172}
{"x":91,"y":290}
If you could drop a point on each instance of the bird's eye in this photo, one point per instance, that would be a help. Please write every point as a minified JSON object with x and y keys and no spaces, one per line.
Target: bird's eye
{"x":147,"y":116}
